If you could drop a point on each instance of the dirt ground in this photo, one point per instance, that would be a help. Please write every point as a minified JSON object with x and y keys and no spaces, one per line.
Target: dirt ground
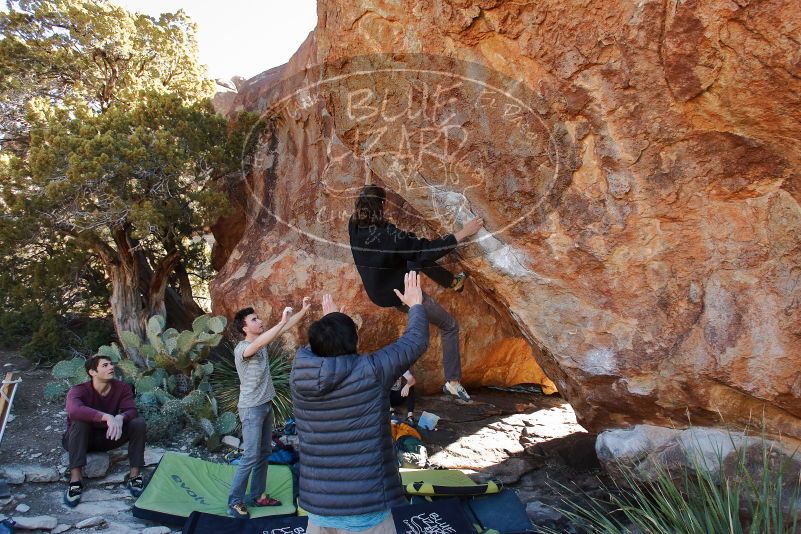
{"x":530,"y":442}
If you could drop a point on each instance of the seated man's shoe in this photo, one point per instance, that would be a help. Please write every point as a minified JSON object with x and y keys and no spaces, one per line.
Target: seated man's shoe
{"x":458,"y":282}
{"x":456,"y":389}
{"x":238,"y":510}
{"x":266,"y":500}
{"x":72,"y":495}
{"x":136,"y":485}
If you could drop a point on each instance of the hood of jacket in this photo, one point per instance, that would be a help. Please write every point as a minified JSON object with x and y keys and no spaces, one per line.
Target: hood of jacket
{"x":315,"y":376}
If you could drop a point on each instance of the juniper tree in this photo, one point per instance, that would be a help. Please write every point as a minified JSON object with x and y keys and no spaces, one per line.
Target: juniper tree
{"x":109,"y":143}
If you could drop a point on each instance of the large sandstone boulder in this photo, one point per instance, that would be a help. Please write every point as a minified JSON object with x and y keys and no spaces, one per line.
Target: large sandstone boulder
{"x":637,"y":167}
{"x":286,"y":237}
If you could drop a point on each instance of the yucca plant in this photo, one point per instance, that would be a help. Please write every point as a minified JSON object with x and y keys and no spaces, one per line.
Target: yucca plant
{"x":225,"y":381}
{"x":748,"y":497}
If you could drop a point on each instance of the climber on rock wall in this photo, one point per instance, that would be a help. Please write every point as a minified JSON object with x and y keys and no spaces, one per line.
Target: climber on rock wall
{"x":383,"y":254}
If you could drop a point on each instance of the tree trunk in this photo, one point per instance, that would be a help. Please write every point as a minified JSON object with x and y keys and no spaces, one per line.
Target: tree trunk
{"x":126,"y":308}
{"x":179,"y":315}
{"x":138,"y":292}
{"x":161,"y":298}
{"x":157,"y":284}
{"x":185,"y":290}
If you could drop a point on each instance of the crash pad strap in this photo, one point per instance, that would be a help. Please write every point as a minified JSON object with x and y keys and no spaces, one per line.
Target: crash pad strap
{"x":444,"y":482}
{"x":422,"y":488}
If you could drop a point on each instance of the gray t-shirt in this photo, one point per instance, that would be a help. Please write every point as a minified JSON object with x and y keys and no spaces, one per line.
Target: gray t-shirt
{"x":255,"y":381}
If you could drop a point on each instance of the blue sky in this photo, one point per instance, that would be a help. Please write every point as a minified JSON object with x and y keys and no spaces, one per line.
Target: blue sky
{"x":238,"y":37}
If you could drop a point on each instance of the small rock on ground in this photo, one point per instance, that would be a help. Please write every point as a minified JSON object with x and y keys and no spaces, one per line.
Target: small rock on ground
{"x":43,"y":522}
{"x":97,"y":464}
{"x":22,"y":508}
{"x":90,"y":522}
{"x":153,"y":455}
{"x":156,"y":530}
{"x":40,"y":473}
{"x":13,"y":474}
{"x":231,"y":441}
{"x":540,"y":514}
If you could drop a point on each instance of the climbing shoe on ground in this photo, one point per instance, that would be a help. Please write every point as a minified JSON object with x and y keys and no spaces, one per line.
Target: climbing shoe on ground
{"x":458,"y":282}
{"x":72,"y":495}
{"x":266,"y":500}
{"x":136,"y":485}
{"x":238,"y":510}
{"x":456,"y":389}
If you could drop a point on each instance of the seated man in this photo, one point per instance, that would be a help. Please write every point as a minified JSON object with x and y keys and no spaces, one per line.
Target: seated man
{"x":349,"y":477}
{"x":101,"y":415}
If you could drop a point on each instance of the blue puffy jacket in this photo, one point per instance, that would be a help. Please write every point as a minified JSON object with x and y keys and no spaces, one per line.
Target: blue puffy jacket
{"x":341,"y":405}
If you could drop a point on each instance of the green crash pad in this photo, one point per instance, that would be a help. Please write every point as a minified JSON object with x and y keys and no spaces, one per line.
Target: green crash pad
{"x":181,"y":485}
{"x":444,"y":482}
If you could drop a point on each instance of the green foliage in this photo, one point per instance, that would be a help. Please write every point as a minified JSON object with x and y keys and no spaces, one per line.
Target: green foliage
{"x":47,"y":342}
{"x":67,"y":374}
{"x":129,"y":339}
{"x":56,"y":391}
{"x":98,"y":332}
{"x":183,"y":355}
{"x":225,"y":381}
{"x":226,"y":423}
{"x":46,"y":335}
{"x":165,"y":407}
{"x":69,"y":369}
{"x":109,"y":155}
{"x":148,"y":400}
{"x":751,"y":498}
{"x":127,"y":371}
{"x":164,"y":419}
{"x":112,"y":351}
{"x":39,"y":305}
{"x":175,"y":391}
{"x":215,"y":430}
{"x":146,"y":383}
{"x":95,"y":53}
{"x":197,"y":405}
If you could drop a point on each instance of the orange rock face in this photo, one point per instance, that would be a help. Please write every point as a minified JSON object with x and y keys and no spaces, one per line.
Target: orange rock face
{"x":287,"y":238}
{"x":637,"y":166}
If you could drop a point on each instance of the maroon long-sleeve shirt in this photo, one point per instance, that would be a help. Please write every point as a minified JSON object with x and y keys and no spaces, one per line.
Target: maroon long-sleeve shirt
{"x":86,"y":404}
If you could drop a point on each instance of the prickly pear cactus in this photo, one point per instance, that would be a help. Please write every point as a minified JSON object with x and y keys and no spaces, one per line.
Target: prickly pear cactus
{"x":181,"y":354}
{"x":67,"y":374}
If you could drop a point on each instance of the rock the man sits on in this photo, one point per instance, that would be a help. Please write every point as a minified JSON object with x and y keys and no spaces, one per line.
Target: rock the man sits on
{"x":101,"y":416}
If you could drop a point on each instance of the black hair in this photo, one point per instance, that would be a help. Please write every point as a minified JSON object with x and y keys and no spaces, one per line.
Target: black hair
{"x":239,"y":319}
{"x":92,"y":363}
{"x":370,"y":206}
{"x":333,"y":335}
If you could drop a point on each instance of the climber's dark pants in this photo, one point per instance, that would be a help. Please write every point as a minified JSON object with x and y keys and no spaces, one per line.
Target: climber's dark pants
{"x":433,"y":270}
{"x":448,"y":334}
{"x":82,"y":437}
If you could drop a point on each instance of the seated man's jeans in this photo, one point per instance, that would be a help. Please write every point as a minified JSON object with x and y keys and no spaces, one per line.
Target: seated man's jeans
{"x":82,"y":437}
